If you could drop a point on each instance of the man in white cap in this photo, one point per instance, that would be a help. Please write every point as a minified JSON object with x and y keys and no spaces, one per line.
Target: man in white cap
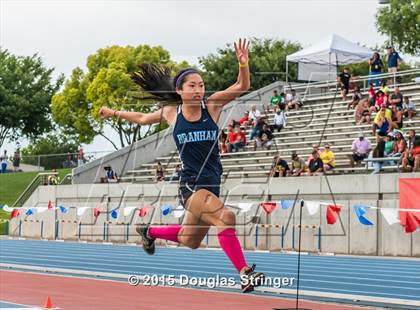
{"x":361,"y":148}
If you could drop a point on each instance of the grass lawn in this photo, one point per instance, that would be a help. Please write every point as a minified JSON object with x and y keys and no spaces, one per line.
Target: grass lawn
{"x":13,"y":184}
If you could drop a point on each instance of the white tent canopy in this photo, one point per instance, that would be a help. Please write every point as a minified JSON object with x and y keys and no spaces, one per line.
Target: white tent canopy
{"x":331,"y":51}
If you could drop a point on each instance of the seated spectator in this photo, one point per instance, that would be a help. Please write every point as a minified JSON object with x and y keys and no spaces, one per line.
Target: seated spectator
{"x":316,"y":165}
{"x":371,"y":95}
{"x":244,"y":121}
{"x":397,"y":117}
{"x":344,"y":82}
{"x":387,"y":114}
{"x":241,"y":137}
{"x":257,"y":127}
{"x":279,"y":167}
{"x":288,"y":97}
{"x":275,"y":102}
{"x":254,"y":114}
{"x":110,"y":175}
{"x":381,"y":100}
{"x":383,"y":125}
{"x":160,"y":172}
{"x":264,"y":139}
{"x":282,"y":104}
{"x":409,"y":109}
{"x":298,"y":165}
{"x":53,"y":179}
{"x":296,"y":101}
{"x":396,"y":99}
{"x":279,"y":120}
{"x":357,"y":96}
{"x":414,"y":156}
{"x":362,"y":113}
{"x":315,"y":147}
{"x":399,"y":146}
{"x":222,"y":141}
{"x":239,"y":140}
{"x":389,"y":144}
{"x":176,"y":174}
{"x":328,"y":158}
{"x":231,"y":138}
{"x":360,"y":148}
{"x":411,"y":157}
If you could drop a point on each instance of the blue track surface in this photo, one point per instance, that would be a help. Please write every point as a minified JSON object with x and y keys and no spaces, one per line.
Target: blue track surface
{"x":13,"y":306}
{"x":384,"y":278}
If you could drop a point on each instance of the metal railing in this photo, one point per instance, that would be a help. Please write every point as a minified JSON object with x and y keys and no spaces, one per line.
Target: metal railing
{"x":67,"y":179}
{"x":325,"y":88}
{"x":60,"y":160}
{"x":40,"y":179}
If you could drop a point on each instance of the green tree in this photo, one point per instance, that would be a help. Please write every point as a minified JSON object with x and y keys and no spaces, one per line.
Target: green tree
{"x":267,"y":64}
{"x":26,"y":89}
{"x":400,"y":20}
{"x":108,"y":83}
{"x":48,"y":146}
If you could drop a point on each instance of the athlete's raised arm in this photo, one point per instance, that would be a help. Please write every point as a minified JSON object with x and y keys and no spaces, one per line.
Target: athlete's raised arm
{"x":243,"y":83}
{"x":134,"y":117}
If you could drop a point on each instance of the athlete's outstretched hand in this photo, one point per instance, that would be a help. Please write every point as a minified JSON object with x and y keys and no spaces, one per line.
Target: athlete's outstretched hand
{"x":241,"y":49}
{"x":105,"y":112}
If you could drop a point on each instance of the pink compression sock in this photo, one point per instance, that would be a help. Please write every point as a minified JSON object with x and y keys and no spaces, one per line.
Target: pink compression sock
{"x":169,"y":232}
{"x":232,"y":248}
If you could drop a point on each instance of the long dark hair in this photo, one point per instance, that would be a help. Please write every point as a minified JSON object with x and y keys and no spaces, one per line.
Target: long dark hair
{"x":157,"y":81}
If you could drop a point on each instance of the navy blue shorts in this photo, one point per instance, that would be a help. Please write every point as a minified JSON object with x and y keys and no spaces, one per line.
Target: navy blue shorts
{"x":186,"y":189}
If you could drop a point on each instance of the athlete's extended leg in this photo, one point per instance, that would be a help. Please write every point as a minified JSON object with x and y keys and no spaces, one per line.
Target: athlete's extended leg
{"x":190,"y":233}
{"x":208,"y":208}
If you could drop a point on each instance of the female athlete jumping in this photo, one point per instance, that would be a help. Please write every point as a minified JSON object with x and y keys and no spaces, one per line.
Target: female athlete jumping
{"x":196,"y":136}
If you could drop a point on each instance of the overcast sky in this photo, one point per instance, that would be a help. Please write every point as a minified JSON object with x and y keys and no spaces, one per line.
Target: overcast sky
{"x":65,"y":33}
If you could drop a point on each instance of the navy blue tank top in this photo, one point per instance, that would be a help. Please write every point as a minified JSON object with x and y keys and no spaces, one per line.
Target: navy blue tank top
{"x":198,"y":146}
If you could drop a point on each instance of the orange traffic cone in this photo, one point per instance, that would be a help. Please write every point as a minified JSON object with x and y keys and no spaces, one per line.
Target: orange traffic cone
{"x":48,"y":303}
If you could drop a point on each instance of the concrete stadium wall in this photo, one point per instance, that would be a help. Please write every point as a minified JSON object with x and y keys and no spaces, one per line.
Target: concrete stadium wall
{"x":347,"y":236}
{"x":161,"y":144}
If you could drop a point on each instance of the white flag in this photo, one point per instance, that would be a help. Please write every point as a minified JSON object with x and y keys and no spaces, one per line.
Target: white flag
{"x":312,"y":206}
{"x":390,"y":215}
{"x":41,"y":209}
{"x":127,"y":210}
{"x":7,"y":209}
{"x":178,"y":211}
{"x":245,"y":206}
{"x":81,"y":211}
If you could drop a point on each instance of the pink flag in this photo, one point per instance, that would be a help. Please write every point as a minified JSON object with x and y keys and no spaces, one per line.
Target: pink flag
{"x":269,"y":206}
{"x":96,"y":212}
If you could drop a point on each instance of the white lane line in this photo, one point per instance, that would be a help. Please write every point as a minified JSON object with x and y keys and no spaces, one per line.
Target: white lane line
{"x":198,"y":261}
{"x":267,"y":258}
{"x":327,"y":260}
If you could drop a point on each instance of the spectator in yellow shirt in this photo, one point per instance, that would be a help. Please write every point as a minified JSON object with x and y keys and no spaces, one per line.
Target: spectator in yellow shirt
{"x":388,"y":115}
{"x":327,"y":157}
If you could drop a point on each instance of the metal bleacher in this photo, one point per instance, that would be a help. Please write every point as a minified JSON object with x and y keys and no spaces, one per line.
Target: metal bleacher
{"x":322,"y":114}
